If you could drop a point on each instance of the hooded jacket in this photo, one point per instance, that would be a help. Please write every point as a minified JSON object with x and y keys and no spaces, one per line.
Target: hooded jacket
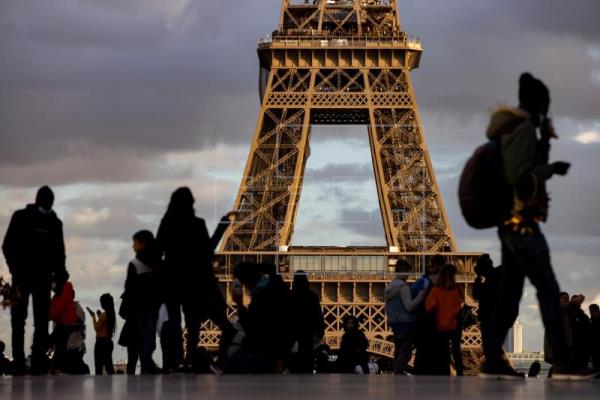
{"x":524,"y":159}
{"x":400,"y":307}
{"x":34,"y":247}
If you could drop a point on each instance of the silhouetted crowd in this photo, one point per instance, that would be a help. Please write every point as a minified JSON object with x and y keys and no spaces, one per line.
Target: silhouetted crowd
{"x":171,"y":280}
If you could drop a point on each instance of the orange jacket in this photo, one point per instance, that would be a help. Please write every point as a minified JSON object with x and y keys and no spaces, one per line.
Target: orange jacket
{"x":445,"y":304}
{"x":63,"y":310}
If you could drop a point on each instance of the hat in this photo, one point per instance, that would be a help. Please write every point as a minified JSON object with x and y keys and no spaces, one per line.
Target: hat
{"x":533,"y":94}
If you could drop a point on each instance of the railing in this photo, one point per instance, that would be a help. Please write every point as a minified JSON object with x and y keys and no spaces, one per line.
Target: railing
{"x":410,"y":42}
{"x":357,"y":264}
{"x":315,"y":3}
{"x":344,"y":276}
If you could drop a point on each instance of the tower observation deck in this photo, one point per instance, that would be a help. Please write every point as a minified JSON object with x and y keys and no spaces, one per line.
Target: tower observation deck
{"x":335,"y":62}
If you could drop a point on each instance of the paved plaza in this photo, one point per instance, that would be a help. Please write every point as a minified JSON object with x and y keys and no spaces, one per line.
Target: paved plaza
{"x":288,"y":387}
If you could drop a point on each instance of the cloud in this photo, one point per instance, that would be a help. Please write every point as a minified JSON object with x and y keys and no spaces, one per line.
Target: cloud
{"x":132,"y":75}
{"x":474,"y":53}
{"x":588,"y":137}
{"x":154,"y":77}
{"x":90,"y":165}
{"x":342,"y":172}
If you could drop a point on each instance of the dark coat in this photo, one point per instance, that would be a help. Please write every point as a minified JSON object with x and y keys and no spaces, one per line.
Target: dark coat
{"x":188,"y":254}
{"x":142,"y":291}
{"x":486,"y":293}
{"x":595,"y":341}
{"x":353,"y":350}
{"x":266,"y":322}
{"x":34,"y":247}
{"x":307,"y":317}
{"x":581,"y":328}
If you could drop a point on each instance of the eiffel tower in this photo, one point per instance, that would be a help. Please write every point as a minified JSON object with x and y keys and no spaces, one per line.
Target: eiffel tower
{"x":342,"y":62}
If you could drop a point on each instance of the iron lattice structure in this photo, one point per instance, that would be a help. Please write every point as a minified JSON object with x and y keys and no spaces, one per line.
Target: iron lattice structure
{"x":333,"y":62}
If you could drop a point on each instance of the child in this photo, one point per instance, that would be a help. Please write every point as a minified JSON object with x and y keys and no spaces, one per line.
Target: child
{"x":141,"y":295}
{"x":444,"y":302}
{"x":400,"y":308}
{"x":75,"y":349}
{"x":104,"y":325}
{"x":4,"y":362}
{"x":63,"y":312}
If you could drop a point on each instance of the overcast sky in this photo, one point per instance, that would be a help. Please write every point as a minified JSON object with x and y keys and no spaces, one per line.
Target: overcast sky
{"x":115,"y":103}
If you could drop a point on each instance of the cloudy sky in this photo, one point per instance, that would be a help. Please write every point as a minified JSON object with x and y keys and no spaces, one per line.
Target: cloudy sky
{"x":115,"y":103}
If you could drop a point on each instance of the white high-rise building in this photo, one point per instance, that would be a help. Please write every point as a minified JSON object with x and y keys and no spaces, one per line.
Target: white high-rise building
{"x":514,"y":339}
{"x":517,"y":337}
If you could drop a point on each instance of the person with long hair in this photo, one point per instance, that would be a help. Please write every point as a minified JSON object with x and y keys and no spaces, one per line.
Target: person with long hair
{"x":308,"y":325}
{"x":189,"y":279}
{"x":444,"y":301}
{"x":425,"y":331}
{"x":104,"y":324}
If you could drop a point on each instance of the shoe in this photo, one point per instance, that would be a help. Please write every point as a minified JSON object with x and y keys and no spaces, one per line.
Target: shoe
{"x":500,"y":371}
{"x":215,"y":369}
{"x":151,"y":370}
{"x":565,"y":372}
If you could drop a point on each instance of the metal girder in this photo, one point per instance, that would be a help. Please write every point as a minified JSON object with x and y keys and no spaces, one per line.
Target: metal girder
{"x":338,"y":18}
{"x":342,"y":62}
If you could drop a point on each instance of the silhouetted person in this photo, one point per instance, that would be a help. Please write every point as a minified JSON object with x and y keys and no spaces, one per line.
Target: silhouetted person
{"x":595,"y":334}
{"x":549,"y":356}
{"x":580,"y":327}
{"x":4,"y":362}
{"x":534,"y":370}
{"x":444,"y":301}
{"x":189,"y":278}
{"x":35,"y":251}
{"x":104,"y":325}
{"x":75,"y":349}
{"x":266,"y":323}
{"x":486,"y":291}
{"x":143,"y":298}
{"x":63,"y":312}
{"x":400,"y":309}
{"x":425,"y":334}
{"x":308,"y":325}
{"x":131,"y":335}
{"x":525,"y":252}
{"x":353,"y":356}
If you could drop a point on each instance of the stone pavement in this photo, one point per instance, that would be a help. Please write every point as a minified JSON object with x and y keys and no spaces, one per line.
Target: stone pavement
{"x":289,"y":387}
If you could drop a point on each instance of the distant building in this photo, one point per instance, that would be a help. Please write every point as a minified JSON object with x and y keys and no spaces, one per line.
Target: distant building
{"x":514,"y":339}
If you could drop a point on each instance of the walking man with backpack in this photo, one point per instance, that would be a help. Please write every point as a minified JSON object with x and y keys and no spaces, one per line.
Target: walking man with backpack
{"x":520,"y":160}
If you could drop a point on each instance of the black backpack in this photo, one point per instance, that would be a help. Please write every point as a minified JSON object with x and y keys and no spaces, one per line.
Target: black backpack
{"x":484,"y":196}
